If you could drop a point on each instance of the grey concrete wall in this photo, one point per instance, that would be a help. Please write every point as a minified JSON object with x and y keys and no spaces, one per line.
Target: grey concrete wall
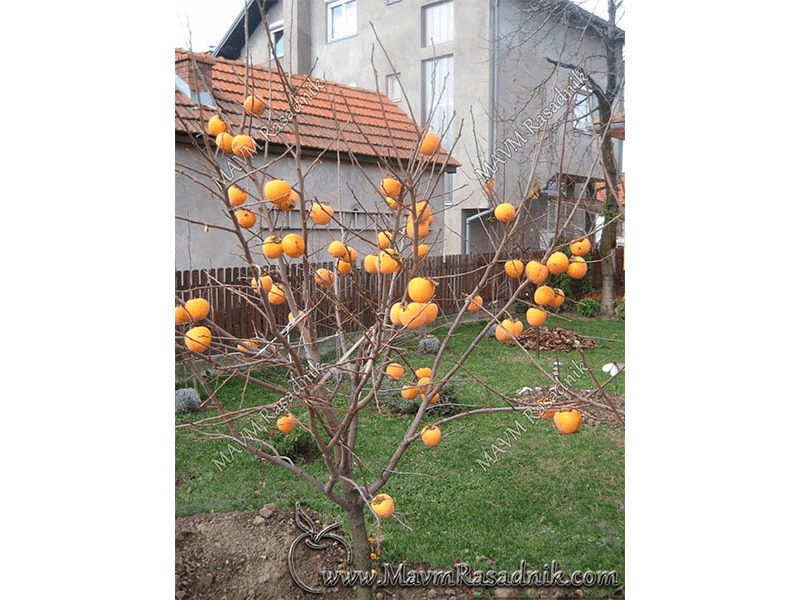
{"x":524,"y":43}
{"x":338,"y":186}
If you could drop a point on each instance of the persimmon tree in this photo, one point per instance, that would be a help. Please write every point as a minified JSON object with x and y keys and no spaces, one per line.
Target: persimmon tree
{"x":333,"y":394}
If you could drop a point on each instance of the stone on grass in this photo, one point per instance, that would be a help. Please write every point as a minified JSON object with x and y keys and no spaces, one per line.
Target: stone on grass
{"x":186,"y":400}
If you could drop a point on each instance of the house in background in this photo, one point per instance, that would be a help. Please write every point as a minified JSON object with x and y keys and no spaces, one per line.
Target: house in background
{"x":345,"y":135}
{"x":486,"y":62}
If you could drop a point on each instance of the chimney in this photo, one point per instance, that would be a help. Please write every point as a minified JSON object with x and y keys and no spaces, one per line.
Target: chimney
{"x":195,"y":70}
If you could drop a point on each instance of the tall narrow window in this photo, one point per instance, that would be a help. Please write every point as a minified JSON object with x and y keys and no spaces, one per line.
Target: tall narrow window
{"x":437,"y":95}
{"x":341,"y":19}
{"x":276,"y":31}
{"x":393,"y":88}
{"x":581,"y":111}
{"x":437,"y":23}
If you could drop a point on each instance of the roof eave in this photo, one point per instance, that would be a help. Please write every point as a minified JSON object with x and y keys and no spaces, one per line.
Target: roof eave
{"x":233,"y":41}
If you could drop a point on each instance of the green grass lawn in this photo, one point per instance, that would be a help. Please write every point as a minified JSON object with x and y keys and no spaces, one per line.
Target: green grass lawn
{"x":547,"y":496}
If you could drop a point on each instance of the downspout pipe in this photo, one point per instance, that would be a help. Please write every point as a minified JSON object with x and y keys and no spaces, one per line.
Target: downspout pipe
{"x":494,"y":25}
{"x":467,"y":227}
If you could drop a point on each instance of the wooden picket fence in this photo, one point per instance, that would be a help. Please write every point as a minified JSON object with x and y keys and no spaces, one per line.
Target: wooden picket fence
{"x":234,"y":303}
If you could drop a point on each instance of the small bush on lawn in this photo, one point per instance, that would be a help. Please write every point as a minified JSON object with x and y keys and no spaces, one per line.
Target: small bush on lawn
{"x":588,"y":308}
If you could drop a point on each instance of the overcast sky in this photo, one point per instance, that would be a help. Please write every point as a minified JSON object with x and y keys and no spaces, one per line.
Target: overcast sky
{"x":210,"y":19}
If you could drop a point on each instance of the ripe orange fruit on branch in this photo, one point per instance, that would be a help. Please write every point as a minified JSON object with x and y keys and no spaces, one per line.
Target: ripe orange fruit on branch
{"x":243,"y":145}
{"x":289,"y":202}
{"x":293,"y":245}
{"x":431,"y":312}
{"x":253,"y":105}
{"x":474,"y":304}
{"x":371,"y":263}
{"x":224,"y":142}
{"x":236,"y":195}
{"x":535,"y":316}
{"x":395,"y":371}
{"x":287,"y":423}
{"x":382,"y":505}
{"x":422,"y":250}
{"x":423,"y":372}
{"x":504,"y":212}
{"x":580,"y":248}
{"x":424,"y":384}
{"x":508,"y":330}
{"x":557,"y":263}
{"x":502,"y":334}
{"x":197,"y":308}
{"x":272,"y":247}
{"x":514,"y":268}
{"x":392,"y":203}
{"x":558,"y":298}
{"x":536,"y":272}
{"x":266,"y":283}
{"x":384,"y":239}
{"x":543,"y":295}
{"x":277,"y":295}
{"x":198,"y":339}
{"x":246,"y":218}
{"x":431,"y":435}
{"x":409,"y":391}
{"x":324,"y":278}
{"x":577,"y":268}
{"x":395,"y":312}
{"x":414,"y":316}
{"x":567,"y":421}
{"x":429,"y":143}
{"x":182,"y":315}
{"x":421,"y":289}
{"x":247,"y":346}
{"x":350,"y":255}
{"x":321,"y":213}
{"x":337,"y":249}
{"x":391,"y":187}
{"x":423,"y":212}
{"x":216,"y":126}
{"x":420,"y":230}
{"x":343,"y":267}
{"x":388,"y":261}
{"x":277,"y":191}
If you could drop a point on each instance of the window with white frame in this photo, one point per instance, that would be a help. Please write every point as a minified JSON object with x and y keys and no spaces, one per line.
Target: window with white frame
{"x":447,"y":180}
{"x":581,"y":111}
{"x":393,"y":88}
{"x":341,"y":17}
{"x":437,"y":95}
{"x":437,"y":23}
{"x":276,"y":32}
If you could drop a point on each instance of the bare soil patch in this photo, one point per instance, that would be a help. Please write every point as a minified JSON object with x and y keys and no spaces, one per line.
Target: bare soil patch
{"x":244,"y":556}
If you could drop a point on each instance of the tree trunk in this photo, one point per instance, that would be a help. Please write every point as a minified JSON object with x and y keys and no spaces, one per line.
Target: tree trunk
{"x":608,"y":240}
{"x":608,"y":268}
{"x":361,"y":547}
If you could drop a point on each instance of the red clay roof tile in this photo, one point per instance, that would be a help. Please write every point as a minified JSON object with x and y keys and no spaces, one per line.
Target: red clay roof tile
{"x":331,"y":116}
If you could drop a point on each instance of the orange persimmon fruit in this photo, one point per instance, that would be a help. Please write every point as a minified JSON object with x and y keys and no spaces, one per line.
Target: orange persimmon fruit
{"x":198,"y":339}
{"x":431,"y":435}
{"x":567,"y":421}
{"x":382,"y":505}
{"x":557,"y":263}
